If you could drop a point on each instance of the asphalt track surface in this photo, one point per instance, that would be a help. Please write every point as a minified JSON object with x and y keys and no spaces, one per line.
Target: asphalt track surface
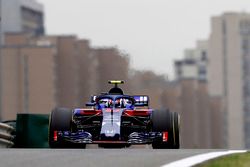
{"x":93,"y":157}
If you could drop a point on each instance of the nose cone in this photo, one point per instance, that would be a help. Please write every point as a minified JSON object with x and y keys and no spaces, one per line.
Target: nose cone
{"x":110,"y":131}
{"x":110,"y":134}
{"x":111,"y":124}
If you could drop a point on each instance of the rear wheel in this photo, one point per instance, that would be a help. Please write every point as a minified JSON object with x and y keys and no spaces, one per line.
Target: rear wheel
{"x":60,"y":120}
{"x":166,"y":121}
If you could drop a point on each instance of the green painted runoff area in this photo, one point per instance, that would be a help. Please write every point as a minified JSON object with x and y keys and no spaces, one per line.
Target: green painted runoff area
{"x":234,"y":160}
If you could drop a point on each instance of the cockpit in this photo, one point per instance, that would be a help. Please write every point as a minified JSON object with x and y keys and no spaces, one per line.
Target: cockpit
{"x":118,"y":102}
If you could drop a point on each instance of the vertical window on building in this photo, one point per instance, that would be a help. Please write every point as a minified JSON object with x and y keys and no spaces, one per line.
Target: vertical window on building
{"x":32,"y":21}
{"x":203,"y":55}
{"x":245,"y":46}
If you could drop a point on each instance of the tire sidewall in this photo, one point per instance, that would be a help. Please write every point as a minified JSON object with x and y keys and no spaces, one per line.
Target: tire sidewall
{"x":166,"y":121}
{"x":60,"y":120}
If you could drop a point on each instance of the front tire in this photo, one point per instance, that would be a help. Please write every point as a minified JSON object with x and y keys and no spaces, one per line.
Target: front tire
{"x":60,"y":120}
{"x":166,"y":121}
{"x":176,"y":130}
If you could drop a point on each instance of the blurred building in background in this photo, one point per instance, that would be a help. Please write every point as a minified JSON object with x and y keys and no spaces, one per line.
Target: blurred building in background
{"x":148,"y":83}
{"x":212,"y":86}
{"x":39,"y":73}
{"x":109,"y":63}
{"x":188,"y":95}
{"x":27,"y":77}
{"x":22,"y":16}
{"x":229,"y":74}
{"x":194,"y":64}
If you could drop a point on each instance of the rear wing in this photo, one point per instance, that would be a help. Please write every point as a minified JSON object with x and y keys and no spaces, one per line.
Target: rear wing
{"x":141,"y":100}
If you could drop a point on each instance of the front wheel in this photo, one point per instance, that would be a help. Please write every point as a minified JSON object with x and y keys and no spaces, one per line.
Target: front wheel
{"x":60,"y":120}
{"x":176,"y":130}
{"x":166,"y":121}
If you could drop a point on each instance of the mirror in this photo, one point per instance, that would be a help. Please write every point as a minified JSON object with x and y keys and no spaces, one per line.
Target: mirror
{"x":90,"y":104}
{"x":141,"y":100}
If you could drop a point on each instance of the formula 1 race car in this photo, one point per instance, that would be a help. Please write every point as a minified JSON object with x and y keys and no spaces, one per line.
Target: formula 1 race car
{"x":114,"y":120}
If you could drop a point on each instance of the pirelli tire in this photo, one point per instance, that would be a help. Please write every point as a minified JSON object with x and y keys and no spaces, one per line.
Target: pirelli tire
{"x":166,"y":121}
{"x":60,"y":120}
{"x":176,"y":130}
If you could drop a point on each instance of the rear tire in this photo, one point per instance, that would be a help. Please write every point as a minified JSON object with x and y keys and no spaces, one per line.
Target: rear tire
{"x":166,"y":121}
{"x":60,"y":120}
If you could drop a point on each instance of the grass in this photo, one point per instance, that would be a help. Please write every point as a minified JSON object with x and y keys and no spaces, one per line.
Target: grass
{"x":234,"y":160}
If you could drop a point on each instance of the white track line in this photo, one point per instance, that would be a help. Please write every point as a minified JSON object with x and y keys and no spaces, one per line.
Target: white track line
{"x":194,"y":160}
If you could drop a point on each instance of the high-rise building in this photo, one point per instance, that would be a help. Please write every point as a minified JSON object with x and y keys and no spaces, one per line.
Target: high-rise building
{"x":194,"y":64}
{"x":22,"y":16}
{"x":183,"y":96}
{"x":27,"y":77}
{"x":200,"y":114}
{"x":229,"y":74}
{"x":38,"y":73}
{"x":106,"y":70}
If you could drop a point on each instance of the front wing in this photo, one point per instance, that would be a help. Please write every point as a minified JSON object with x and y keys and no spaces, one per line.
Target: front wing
{"x":86,"y":138}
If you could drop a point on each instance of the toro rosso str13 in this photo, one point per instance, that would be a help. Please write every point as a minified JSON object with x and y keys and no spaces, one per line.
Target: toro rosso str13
{"x":114,"y":119}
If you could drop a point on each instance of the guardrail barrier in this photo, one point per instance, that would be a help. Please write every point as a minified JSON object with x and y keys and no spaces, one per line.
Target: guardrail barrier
{"x":6,"y":137}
